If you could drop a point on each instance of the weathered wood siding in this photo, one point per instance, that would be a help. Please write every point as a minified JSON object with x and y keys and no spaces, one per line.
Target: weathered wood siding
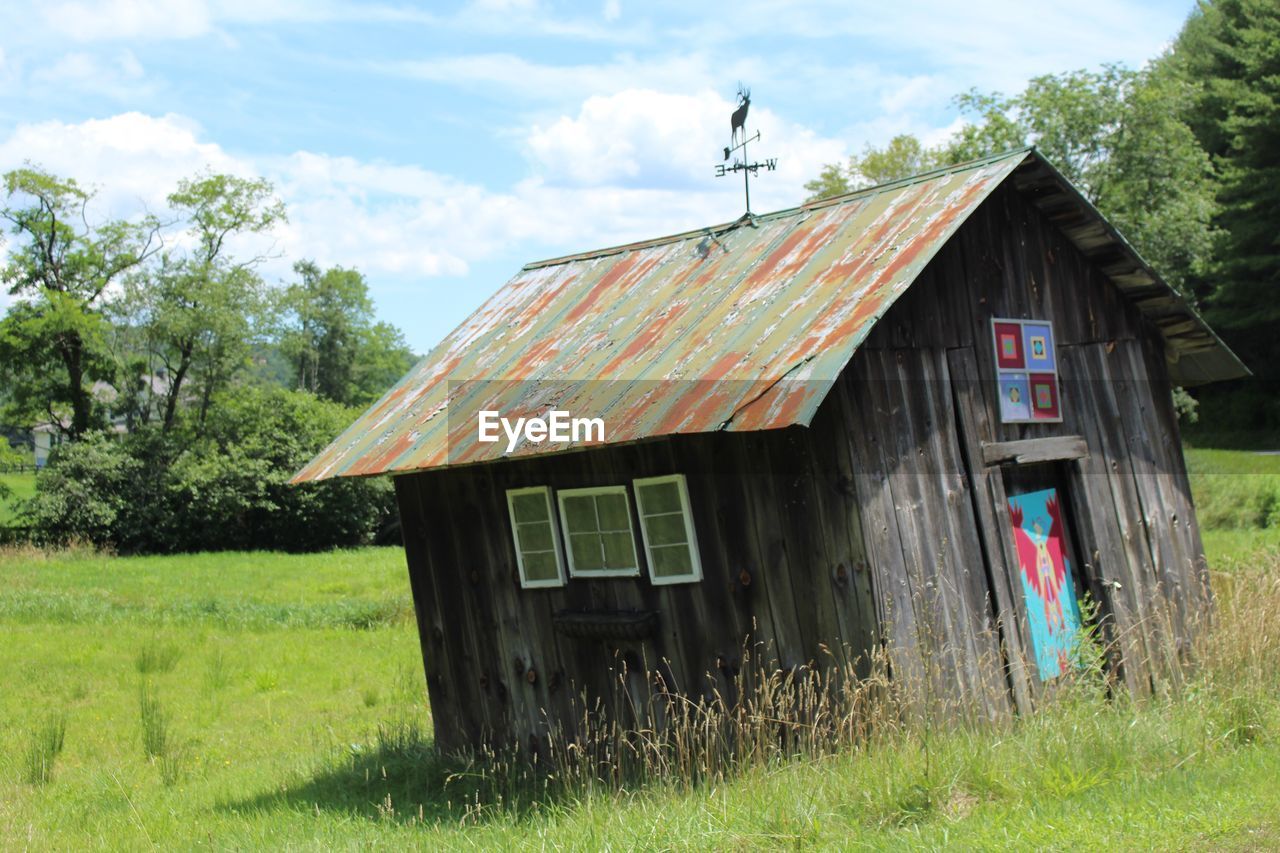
{"x":782,"y":559}
{"x":1129,"y":496}
{"x":883,"y":520}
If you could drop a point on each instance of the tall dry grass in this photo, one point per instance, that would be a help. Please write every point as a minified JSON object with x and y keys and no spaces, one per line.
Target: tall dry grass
{"x":767,"y":716}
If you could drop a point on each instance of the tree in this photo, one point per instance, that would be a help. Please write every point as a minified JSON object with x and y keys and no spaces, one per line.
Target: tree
{"x":199,"y":310}
{"x":902,"y":157}
{"x":337,"y":351}
{"x":61,"y":270}
{"x":1229,"y":54}
{"x":384,"y":359}
{"x":1114,"y":133}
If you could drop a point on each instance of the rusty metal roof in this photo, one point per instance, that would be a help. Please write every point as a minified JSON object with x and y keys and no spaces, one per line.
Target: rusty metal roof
{"x":739,"y":327}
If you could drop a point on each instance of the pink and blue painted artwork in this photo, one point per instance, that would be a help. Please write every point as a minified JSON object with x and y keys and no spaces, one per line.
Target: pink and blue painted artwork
{"x":1052,"y":609}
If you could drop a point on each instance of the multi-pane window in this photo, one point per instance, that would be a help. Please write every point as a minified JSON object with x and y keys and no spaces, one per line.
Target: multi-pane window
{"x":537,"y":546}
{"x":597,"y":532}
{"x":667,"y":526}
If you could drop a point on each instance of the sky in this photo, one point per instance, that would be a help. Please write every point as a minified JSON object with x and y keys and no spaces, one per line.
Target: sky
{"x":438,"y":147}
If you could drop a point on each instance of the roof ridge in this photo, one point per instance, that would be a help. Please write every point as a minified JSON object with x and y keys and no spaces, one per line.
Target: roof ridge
{"x":752,"y":219}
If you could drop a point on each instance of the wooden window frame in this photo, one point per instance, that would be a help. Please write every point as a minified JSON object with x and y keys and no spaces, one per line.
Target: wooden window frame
{"x":525,"y":583}
{"x":691,"y":536}
{"x":574,"y":572}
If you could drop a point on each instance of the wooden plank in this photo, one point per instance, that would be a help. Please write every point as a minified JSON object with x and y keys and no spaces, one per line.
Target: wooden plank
{"x":456,"y":633}
{"x":1182,"y":516}
{"x":863,"y":596}
{"x":800,"y":510}
{"x":989,"y":511}
{"x":432,"y":639}
{"x":773,"y":566}
{"x":836,"y":513}
{"x":722,"y":606}
{"x":955,"y":487}
{"x":1151,"y":472}
{"x":891,"y":582}
{"x":1058,"y":448}
{"x":925,"y":535}
{"x":1112,"y":492}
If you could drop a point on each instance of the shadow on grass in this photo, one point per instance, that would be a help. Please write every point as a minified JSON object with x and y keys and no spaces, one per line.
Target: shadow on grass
{"x":402,"y":778}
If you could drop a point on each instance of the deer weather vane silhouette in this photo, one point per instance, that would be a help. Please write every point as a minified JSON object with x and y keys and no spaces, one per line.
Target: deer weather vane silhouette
{"x":738,"y":140}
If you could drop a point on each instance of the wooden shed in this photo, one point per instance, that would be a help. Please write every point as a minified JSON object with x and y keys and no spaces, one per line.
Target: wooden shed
{"x":939,"y":408}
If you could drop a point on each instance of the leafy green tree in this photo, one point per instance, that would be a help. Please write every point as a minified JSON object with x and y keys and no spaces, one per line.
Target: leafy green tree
{"x":384,"y":360}
{"x":902,"y":157}
{"x":1229,"y":52}
{"x":158,"y":492}
{"x":61,"y":269}
{"x":336,"y":349}
{"x":1115,"y":133}
{"x":201,"y":309}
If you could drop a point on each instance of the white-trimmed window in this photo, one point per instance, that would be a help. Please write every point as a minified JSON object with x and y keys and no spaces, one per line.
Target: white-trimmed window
{"x":534,"y":532}
{"x":597,"y":532}
{"x":666,"y":523}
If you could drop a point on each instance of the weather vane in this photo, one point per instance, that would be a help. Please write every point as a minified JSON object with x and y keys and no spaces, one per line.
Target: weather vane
{"x":738,"y":140}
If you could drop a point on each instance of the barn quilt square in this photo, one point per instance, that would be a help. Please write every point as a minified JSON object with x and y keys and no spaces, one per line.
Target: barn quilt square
{"x":1044,"y":396}
{"x":1053,"y":613}
{"x":1009,"y":350}
{"x":1015,"y":397}
{"x":1038,"y":346}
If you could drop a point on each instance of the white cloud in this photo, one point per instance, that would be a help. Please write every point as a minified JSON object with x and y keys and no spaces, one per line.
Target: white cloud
{"x":82,"y":20}
{"x":409,"y":222}
{"x":640,"y":138}
{"x":134,"y":159}
{"x":540,"y":83}
{"x":120,"y":76}
{"x":612,"y":10}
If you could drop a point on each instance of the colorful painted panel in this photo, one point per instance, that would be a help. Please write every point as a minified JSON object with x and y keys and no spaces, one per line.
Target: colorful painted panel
{"x":1038,"y":344}
{"x":1015,"y":397}
{"x":1044,"y":397}
{"x":1053,"y":613}
{"x":1009,"y":352}
{"x":1027,"y":371}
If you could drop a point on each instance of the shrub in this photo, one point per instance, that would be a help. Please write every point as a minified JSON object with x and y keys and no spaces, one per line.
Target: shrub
{"x":85,"y":492}
{"x":226,"y":489}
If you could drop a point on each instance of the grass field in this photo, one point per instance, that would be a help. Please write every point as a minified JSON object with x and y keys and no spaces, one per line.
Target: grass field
{"x":282,"y":699}
{"x":21,"y":487}
{"x":1235,"y":489}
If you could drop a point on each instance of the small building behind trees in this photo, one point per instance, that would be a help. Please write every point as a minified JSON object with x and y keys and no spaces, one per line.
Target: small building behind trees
{"x":927,"y":416}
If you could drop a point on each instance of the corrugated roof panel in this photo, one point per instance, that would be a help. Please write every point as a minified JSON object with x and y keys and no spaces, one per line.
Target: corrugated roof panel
{"x":745,"y":333}
{"x":680,"y":335}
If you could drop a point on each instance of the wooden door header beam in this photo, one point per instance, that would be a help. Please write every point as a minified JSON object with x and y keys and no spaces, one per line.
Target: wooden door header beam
{"x":1029,"y":451}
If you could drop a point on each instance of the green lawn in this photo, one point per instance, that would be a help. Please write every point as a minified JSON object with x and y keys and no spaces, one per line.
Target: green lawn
{"x":21,"y":487}
{"x":291,"y":691}
{"x":1235,"y":489}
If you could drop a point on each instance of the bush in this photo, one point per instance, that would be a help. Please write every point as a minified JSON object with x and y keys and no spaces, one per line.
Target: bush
{"x":228,"y":489}
{"x":85,"y":494}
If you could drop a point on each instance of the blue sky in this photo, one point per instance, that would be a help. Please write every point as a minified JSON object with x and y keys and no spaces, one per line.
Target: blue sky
{"x":438,"y":147}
